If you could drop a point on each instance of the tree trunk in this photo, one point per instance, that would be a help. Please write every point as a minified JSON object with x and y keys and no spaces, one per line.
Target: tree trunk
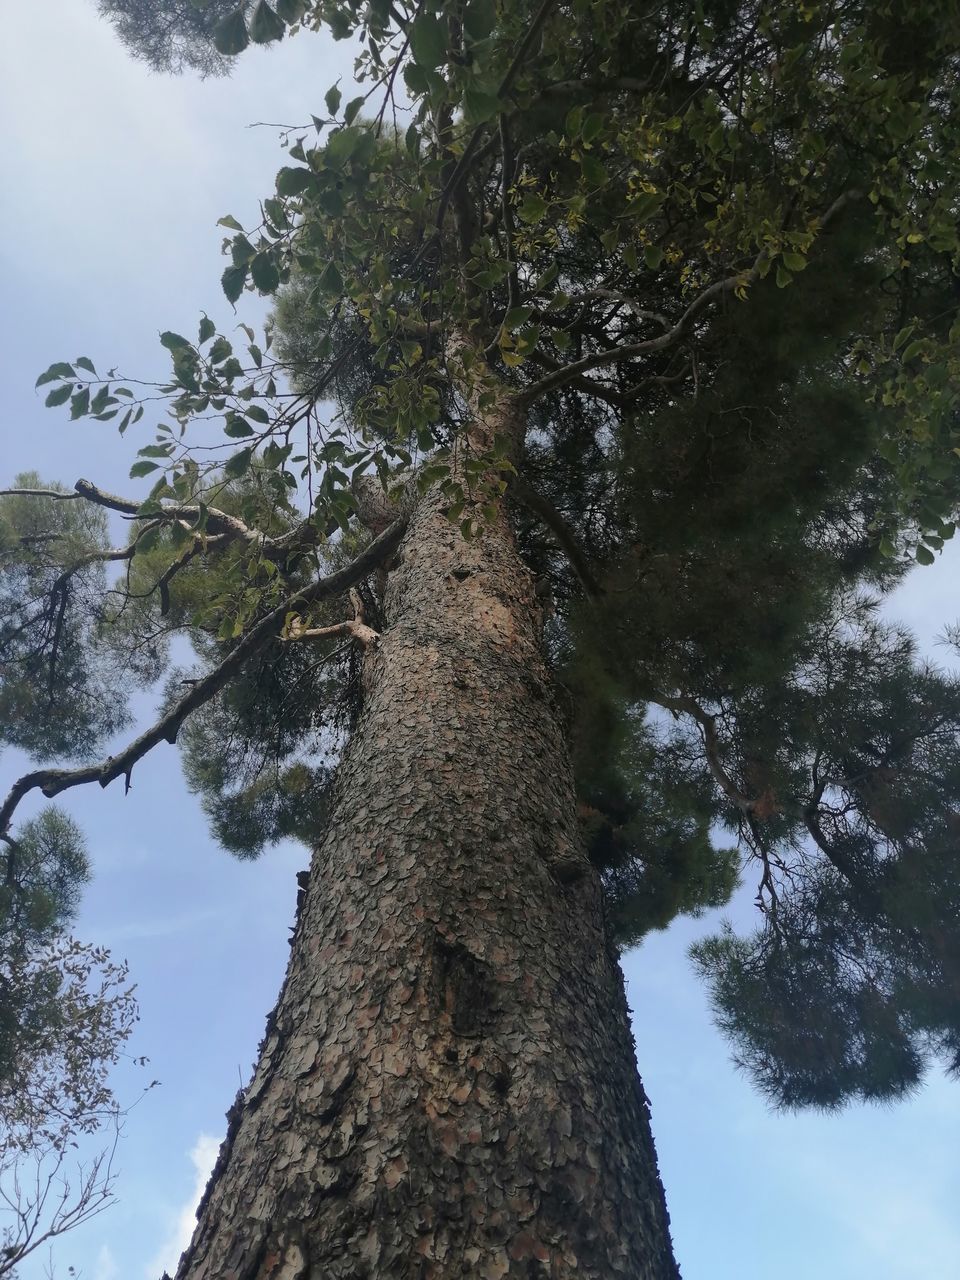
{"x":447,"y":1088}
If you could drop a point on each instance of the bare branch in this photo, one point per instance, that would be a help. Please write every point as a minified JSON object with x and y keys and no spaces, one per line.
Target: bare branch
{"x":627,"y":351}
{"x":39,"y":493}
{"x":355,"y":628}
{"x":52,"y":781}
{"x":217,"y":521}
{"x":219,"y":524}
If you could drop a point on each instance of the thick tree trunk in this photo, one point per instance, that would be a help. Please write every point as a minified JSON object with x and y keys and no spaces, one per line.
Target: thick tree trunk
{"x":447,"y":1088}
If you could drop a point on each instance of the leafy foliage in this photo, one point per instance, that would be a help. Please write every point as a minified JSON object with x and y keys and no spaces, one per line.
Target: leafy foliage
{"x":61,"y":685}
{"x":65,"y":1007}
{"x":173,"y":35}
{"x":66,"y":1010}
{"x":710,"y":251}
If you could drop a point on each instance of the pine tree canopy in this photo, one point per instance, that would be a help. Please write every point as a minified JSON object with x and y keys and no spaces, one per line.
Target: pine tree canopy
{"x":711,"y":251}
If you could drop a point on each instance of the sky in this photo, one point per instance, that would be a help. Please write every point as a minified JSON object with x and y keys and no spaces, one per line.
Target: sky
{"x":111,"y":183}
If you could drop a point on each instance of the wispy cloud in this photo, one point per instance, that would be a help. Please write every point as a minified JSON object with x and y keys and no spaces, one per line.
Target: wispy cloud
{"x":106,"y":1266}
{"x":162,"y":926}
{"x":203,"y":1156}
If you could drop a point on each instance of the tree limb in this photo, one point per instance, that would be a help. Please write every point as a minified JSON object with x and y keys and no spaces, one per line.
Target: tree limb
{"x":466,"y":158}
{"x":52,"y":781}
{"x":627,"y":351}
{"x":555,"y":522}
{"x":711,"y":742}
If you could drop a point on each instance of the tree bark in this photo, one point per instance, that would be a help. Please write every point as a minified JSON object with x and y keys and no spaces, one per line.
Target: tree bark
{"x":447,"y":1088}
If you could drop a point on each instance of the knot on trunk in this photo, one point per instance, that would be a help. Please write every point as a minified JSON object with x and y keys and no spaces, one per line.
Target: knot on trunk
{"x":464,"y":987}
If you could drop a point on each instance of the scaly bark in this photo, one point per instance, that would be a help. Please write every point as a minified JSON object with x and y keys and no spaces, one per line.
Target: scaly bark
{"x":447,"y":1088}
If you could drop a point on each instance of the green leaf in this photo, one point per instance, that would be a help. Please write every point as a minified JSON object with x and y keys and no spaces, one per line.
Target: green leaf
{"x":646,"y":205}
{"x":352,"y":109}
{"x":101,"y":400}
{"x":276,"y":213}
{"x":343,"y":144}
{"x":428,"y":40}
{"x":83,"y":363}
{"x":783,"y":277}
{"x":143,"y":469}
{"x":233,"y":280}
{"x":265,"y":274}
{"x":546,"y":278}
{"x":479,"y":18}
{"x":592,"y":127}
{"x":573,"y":122}
{"x":332,"y":98}
{"x":593,"y":171}
{"x":794,"y":261}
{"x":653,"y":256}
{"x":479,"y":106}
{"x":532,"y":208}
{"x":265,"y":26}
{"x":291,"y":182}
{"x":59,"y":396}
{"x":924,"y":556}
{"x":58,"y":370}
{"x":415,"y":78}
{"x":241,"y":250}
{"x":220,"y":350}
{"x":903,"y":335}
{"x":173,"y":341}
{"x":914,"y":349}
{"x":292,"y":11}
{"x":516,"y":317}
{"x":155,"y":451}
{"x":230,"y":34}
{"x":207,"y":330}
{"x":258,"y":414}
{"x":887,"y":548}
{"x":412,"y":140}
{"x":238,"y":465}
{"x":330,"y":280}
{"x":80,"y":403}
{"x":228,"y":220}
{"x":237,"y":428}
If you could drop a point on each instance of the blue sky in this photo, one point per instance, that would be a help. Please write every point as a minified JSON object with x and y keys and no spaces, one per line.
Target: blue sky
{"x":112,"y":182}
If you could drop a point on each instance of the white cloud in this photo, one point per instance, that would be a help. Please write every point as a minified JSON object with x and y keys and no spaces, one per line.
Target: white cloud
{"x":203,"y":1155}
{"x":106,"y":1267}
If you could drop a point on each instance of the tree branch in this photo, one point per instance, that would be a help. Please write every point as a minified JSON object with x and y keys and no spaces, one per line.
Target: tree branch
{"x":52,"y":781}
{"x":628,"y":350}
{"x":555,"y":522}
{"x":221,"y":525}
{"x":711,"y":742}
{"x":466,"y":159}
{"x":672,"y":335}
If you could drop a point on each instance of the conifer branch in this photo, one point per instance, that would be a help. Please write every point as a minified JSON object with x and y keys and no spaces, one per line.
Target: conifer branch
{"x":50,"y":782}
{"x":555,"y":522}
{"x":711,"y":741}
{"x":219,"y":524}
{"x":627,"y":351}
